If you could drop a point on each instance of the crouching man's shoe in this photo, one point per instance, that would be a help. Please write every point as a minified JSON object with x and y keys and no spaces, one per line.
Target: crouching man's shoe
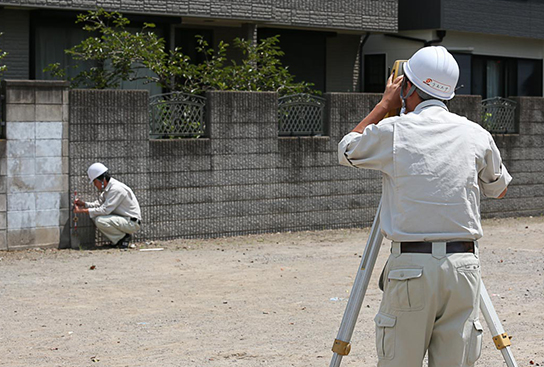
{"x":124,"y":242}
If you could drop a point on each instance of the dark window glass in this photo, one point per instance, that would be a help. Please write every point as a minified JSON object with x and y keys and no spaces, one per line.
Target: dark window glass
{"x":375,"y":75}
{"x":187,"y":41}
{"x":305,"y":54}
{"x":464,"y":85}
{"x":505,"y":77}
{"x":529,"y":77}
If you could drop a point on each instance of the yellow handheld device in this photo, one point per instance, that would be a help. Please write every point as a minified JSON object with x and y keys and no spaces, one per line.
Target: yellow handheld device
{"x":397,"y":70}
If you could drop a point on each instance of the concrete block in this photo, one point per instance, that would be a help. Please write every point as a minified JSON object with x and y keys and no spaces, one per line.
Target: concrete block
{"x":3,"y":202}
{"x":48,"y":112}
{"x":48,"y":200}
{"x":65,"y":200}
{"x":48,"y":236}
{"x":20,"y":166}
{"x":65,"y":165}
{"x":49,"y":130}
{"x":3,"y":241}
{"x":65,"y":148}
{"x":3,"y":221}
{"x":64,"y":216}
{"x":21,"y":238}
{"x":20,"y":220}
{"x":21,"y":201}
{"x":65,"y":113}
{"x":20,"y":184}
{"x":49,"y":148}
{"x":21,"y":94}
{"x":47,"y":218}
{"x":49,"y":165}
{"x":3,"y":167}
{"x":20,"y":149}
{"x":20,"y":130}
{"x":49,"y":96}
{"x":20,"y":112}
{"x":45,"y":183}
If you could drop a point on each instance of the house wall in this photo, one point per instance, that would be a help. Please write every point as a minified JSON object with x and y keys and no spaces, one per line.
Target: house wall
{"x":478,"y":44}
{"x":338,"y":14}
{"x":243,"y":179}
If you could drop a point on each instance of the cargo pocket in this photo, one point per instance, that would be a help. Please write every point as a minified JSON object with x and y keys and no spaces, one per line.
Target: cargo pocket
{"x":405,"y":289}
{"x":385,"y":335}
{"x":475,"y":345}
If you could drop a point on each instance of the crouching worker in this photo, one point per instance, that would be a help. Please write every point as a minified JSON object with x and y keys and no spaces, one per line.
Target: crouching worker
{"x":116,"y":213}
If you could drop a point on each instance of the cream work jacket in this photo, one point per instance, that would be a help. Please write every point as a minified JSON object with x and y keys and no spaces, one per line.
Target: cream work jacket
{"x":117,"y":198}
{"x":435,"y":165}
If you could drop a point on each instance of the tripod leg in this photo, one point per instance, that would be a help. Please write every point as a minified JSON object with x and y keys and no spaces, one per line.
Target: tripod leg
{"x":501,"y":339}
{"x":342,"y":344}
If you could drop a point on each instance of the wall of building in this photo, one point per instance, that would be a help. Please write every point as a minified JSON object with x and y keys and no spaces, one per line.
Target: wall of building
{"x":338,"y":14}
{"x":34,"y":165}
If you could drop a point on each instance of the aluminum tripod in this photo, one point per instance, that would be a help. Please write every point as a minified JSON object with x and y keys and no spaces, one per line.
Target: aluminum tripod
{"x":342,"y":343}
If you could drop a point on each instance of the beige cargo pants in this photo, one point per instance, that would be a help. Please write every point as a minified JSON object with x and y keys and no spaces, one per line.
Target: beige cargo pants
{"x":115,"y":227}
{"x":430,"y":303}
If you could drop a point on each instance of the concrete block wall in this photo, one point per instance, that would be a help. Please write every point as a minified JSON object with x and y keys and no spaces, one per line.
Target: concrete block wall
{"x":34,"y":161}
{"x":523,"y":156}
{"x":110,"y":127}
{"x":241,"y":179}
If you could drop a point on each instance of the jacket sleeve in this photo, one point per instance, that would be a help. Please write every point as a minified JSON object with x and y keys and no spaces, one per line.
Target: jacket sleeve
{"x":372,"y":149}
{"x":493,"y":176}
{"x":111,"y":202}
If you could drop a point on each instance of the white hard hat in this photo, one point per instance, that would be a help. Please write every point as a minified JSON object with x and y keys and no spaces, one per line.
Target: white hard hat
{"x":433,"y":70}
{"x":95,"y":170}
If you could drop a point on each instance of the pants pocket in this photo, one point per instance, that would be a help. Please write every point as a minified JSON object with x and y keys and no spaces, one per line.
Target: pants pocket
{"x":385,"y":335}
{"x":405,"y":289}
{"x":475,"y":344}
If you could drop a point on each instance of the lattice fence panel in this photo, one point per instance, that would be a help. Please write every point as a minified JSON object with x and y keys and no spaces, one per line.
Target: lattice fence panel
{"x":499,"y":115}
{"x":177,"y":115}
{"x":301,"y":115}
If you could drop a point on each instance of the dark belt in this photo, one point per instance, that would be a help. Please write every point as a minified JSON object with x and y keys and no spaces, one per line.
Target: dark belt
{"x":427,"y":247}
{"x":136,"y":220}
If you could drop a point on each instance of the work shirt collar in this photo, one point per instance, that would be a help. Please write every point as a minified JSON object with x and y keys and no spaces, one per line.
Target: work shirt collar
{"x":430,"y":103}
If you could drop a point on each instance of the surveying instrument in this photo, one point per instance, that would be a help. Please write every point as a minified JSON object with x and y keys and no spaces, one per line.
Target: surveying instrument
{"x":342,"y":343}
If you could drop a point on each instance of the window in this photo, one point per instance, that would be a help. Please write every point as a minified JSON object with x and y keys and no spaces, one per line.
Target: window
{"x":505,"y":76}
{"x":375,"y":75}
{"x":53,"y":33}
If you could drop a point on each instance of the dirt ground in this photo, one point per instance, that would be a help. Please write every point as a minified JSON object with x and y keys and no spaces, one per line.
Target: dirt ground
{"x":261,"y":300}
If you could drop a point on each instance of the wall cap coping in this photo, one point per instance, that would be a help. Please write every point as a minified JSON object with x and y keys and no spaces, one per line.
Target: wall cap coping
{"x":36,"y":83}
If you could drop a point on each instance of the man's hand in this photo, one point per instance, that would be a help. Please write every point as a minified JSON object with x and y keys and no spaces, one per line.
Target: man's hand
{"x":390,"y":101}
{"x":79,"y":209}
{"x":79,"y":203}
{"x":391,"y":97}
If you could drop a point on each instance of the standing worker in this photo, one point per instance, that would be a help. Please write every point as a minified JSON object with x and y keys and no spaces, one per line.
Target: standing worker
{"x":116,"y":213}
{"x":435,"y":165}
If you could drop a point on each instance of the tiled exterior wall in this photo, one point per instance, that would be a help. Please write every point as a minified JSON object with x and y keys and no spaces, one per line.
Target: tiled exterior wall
{"x":371,"y":15}
{"x":502,"y":17}
{"x":34,"y":164}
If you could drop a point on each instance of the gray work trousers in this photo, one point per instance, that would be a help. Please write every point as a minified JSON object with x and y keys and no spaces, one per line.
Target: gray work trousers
{"x":115,"y":227}
{"x":430,"y":304}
